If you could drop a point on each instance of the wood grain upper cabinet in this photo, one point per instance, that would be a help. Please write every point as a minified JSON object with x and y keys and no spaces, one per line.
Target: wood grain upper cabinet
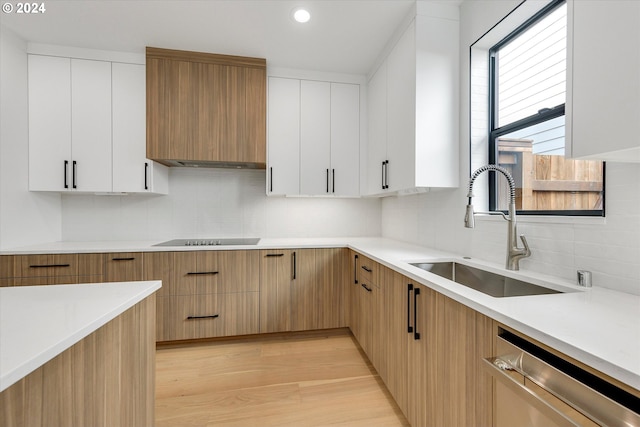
{"x":205,"y":108}
{"x":603,"y":80}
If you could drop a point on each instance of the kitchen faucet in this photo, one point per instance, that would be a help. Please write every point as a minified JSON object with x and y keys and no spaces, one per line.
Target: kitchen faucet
{"x":514,"y":253}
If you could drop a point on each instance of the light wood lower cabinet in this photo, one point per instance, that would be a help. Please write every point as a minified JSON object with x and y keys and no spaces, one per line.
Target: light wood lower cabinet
{"x":123,"y":267}
{"x":206,"y":316}
{"x":51,"y":269}
{"x":106,"y":379}
{"x":205,"y":294}
{"x":426,"y":347}
{"x":302,"y":289}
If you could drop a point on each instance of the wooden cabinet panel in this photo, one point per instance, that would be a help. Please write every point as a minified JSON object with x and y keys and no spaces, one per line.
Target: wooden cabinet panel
{"x":160,"y":266}
{"x":395,"y":335}
{"x":6,"y":266}
{"x":368,"y":270}
{"x":332,"y":272}
{"x":464,"y":338}
{"x":424,"y":400}
{"x":205,"y":107}
{"x":91,"y":265}
{"x":106,"y":379}
{"x":276,"y":274}
{"x":205,"y":316}
{"x":239,"y":271}
{"x":46,"y":265}
{"x":305,"y":302}
{"x":123,"y":267}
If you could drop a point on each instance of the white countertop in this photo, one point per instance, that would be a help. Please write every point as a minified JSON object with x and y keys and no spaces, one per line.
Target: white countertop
{"x":37,"y":323}
{"x":597,"y":326}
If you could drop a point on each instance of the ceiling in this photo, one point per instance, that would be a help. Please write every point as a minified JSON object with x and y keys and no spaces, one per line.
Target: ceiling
{"x":344,"y":36}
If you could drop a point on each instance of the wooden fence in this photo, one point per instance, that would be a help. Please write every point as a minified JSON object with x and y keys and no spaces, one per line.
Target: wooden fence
{"x":547,"y":182}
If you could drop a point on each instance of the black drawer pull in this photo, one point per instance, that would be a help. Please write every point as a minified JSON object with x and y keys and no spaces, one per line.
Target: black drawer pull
{"x":202,"y":273}
{"x":274,"y":255}
{"x":212,"y":316}
{"x":355,"y":270}
{"x":416,"y":334}
{"x":409,"y":290}
{"x":50,"y":266}
{"x":367,"y":269}
{"x":123,"y":259}
{"x":368,"y":289}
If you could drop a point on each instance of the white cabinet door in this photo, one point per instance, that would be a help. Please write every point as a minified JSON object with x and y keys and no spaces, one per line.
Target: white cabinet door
{"x":345,"y":139}
{"x":91,"y":125}
{"x":315,"y":137}
{"x":283,"y":172}
{"x":129,"y":129}
{"x":603,"y":80}
{"x":377,"y":130}
{"x":132,"y":171}
{"x":401,"y":112}
{"x":49,"y":123}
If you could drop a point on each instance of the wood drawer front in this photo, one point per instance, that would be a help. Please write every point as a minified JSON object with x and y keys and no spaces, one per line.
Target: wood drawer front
{"x":6,"y":266}
{"x":185,"y":316}
{"x":46,"y":265}
{"x":211,"y":272}
{"x":367,"y":270}
{"x":123,"y":267}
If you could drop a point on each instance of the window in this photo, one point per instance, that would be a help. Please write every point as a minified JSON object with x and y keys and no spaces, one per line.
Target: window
{"x":526,"y":72}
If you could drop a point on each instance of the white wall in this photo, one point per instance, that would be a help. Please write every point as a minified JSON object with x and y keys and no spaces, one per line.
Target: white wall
{"x":215,"y":203}
{"x":25,"y":218}
{"x":609,"y":248}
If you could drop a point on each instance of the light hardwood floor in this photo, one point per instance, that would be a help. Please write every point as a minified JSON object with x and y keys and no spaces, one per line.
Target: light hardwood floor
{"x":315,"y":380}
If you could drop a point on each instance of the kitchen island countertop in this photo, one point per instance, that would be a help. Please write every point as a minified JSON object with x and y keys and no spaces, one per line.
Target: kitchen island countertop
{"x":37,"y":323}
{"x":596,"y":326}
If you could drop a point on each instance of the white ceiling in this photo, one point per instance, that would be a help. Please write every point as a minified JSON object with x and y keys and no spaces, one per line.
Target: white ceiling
{"x":344,"y":36}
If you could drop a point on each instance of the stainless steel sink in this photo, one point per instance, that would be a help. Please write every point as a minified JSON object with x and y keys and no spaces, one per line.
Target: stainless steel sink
{"x":486,"y":282}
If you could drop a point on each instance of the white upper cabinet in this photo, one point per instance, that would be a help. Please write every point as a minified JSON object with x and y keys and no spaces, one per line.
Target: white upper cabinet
{"x":413,"y":111}
{"x":603,"y":80}
{"x":314,"y":138}
{"x":283,"y":136}
{"x":49,"y":123}
{"x":345,"y":139}
{"x":87,"y":127}
{"x":133,"y":172}
{"x":91,"y":125}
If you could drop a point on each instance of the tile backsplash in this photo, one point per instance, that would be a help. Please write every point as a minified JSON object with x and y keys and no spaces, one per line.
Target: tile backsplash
{"x":608,"y":247}
{"x":215,"y":203}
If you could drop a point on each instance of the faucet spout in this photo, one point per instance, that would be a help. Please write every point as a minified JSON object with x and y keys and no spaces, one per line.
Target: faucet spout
{"x":514,"y":253}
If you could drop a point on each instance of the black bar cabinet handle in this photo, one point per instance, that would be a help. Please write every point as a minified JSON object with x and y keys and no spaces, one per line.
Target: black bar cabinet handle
{"x":123,"y":259}
{"x":49,"y":265}
{"x":333,"y":180}
{"x":386,"y":174}
{"x":327,"y":180}
{"x":146,"y":175}
{"x":355,"y":269}
{"x":212,"y":316}
{"x":274,"y":255}
{"x":416,"y":334}
{"x":409,"y":290}
{"x":383,"y":175}
{"x":202,"y":273}
{"x":74,"y":171}
{"x":367,"y":269}
{"x":271,"y":179}
{"x":293,"y":254}
{"x":368,"y":289}
{"x":66,"y":167}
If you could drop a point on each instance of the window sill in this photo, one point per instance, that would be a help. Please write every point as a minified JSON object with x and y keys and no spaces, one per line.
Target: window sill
{"x":534,"y":219}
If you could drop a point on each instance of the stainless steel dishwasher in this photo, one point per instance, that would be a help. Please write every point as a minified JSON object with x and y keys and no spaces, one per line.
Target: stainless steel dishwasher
{"x":536,"y":388}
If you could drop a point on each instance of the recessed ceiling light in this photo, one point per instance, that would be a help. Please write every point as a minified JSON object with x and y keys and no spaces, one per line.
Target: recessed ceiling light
{"x":301,"y":15}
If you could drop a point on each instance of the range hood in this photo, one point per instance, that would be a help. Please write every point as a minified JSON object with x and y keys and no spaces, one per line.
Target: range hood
{"x":212,"y":164}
